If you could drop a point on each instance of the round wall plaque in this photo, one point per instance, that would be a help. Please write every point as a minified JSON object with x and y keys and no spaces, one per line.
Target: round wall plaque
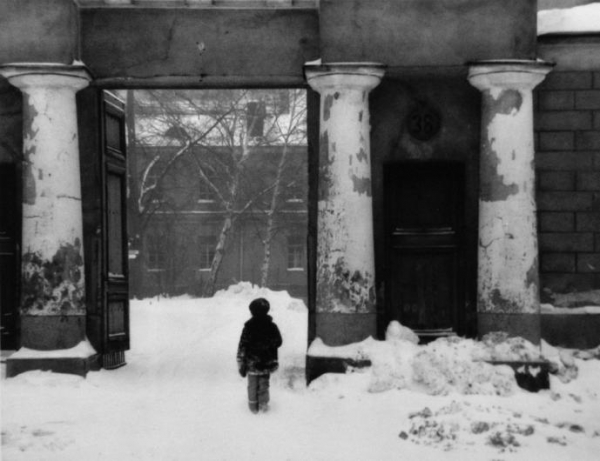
{"x":423,"y":122}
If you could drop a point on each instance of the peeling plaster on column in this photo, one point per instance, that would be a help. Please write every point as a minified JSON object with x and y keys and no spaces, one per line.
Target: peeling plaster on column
{"x":493,"y":185}
{"x":507,"y":147}
{"x":29,"y":114}
{"x":508,"y":280}
{"x":52,"y":230}
{"x":507,"y":206}
{"x":362,"y":156}
{"x":504,"y":101}
{"x":52,"y":149}
{"x":344,"y":291}
{"x":507,"y":257}
{"x":327,"y":107}
{"x":345,"y":248}
{"x":54,"y":286}
{"x":325,"y":162}
{"x":361,"y":185}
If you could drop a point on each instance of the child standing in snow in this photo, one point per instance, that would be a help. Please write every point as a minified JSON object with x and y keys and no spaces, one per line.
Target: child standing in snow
{"x":257,"y":354}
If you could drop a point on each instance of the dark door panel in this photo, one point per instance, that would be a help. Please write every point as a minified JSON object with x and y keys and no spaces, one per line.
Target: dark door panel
{"x":424,"y":210}
{"x":9,"y":255}
{"x":424,"y":288}
{"x":115,"y":275}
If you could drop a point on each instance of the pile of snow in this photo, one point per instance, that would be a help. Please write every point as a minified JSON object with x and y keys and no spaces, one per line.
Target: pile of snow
{"x":215,"y":323}
{"x":579,"y":19}
{"x":444,"y":366}
{"x":562,"y":362}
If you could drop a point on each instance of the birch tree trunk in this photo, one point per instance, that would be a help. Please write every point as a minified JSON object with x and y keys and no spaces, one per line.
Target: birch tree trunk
{"x":215,"y":267}
{"x":209,"y":289}
{"x":271,"y":215}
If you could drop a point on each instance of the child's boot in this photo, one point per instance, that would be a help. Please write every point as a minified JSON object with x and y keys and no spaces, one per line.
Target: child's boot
{"x":253,"y":405}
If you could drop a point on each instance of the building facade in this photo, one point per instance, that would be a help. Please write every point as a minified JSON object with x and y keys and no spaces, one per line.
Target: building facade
{"x":174,"y":247}
{"x":427,"y":123}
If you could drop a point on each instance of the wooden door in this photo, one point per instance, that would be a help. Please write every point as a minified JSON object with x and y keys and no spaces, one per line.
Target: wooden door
{"x":103,"y":159}
{"x":424,"y":212}
{"x":10,"y":224}
{"x":114,"y":264}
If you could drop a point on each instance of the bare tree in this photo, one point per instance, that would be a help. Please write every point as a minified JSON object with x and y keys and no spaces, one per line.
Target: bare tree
{"x":289,"y":130}
{"x":212,"y":136}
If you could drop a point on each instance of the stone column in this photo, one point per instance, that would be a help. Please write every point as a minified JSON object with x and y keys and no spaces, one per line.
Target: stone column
{"x":508,"y":277}
{"x":345,"y":304}
{"x":52,"y":283}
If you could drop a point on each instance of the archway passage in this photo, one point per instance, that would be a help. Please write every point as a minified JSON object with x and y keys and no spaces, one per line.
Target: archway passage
{"x":216,"y":194}
{"x":218,"y":184}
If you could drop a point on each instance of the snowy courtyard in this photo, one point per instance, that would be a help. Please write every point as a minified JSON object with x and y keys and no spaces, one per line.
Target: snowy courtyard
{"x":180,"y":398}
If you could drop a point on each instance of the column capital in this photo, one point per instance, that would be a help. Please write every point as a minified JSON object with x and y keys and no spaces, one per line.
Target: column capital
{"x":508,"y":74}
{"x":363,"y":76}
{"x":31,"y":75}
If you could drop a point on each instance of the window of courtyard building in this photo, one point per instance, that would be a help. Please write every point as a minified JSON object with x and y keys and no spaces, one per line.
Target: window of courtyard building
{"x":296,"y":252}
{"x":155,"y":253}
{"x":206,"y":250}
{"x":222,"y":174}
{"x":205,"y":192}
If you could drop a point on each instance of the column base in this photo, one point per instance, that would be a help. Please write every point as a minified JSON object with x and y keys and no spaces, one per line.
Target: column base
{"x":52,"y":332}
{"x":70,"y":365}
{"x":527,"y":326}
{"x":336,"y":329}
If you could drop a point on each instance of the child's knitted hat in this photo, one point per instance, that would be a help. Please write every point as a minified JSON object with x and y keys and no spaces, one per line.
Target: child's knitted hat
{"x":260,"y":306}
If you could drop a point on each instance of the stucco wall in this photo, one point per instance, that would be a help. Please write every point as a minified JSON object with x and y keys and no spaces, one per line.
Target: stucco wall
{"x":404,"y":33}
{"x":193,"y":47}
{"x":39,"y":31}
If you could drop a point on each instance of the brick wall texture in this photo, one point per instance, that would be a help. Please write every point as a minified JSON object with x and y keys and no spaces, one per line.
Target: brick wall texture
{"x":567,"y":128}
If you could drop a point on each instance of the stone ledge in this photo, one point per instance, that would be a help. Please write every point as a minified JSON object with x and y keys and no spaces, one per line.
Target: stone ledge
{"x":532,"y":376}
{"x":71,"y":365}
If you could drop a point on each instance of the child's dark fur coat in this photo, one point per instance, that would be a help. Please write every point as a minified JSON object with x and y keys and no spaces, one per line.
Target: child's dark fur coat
{"x":257,"y":350}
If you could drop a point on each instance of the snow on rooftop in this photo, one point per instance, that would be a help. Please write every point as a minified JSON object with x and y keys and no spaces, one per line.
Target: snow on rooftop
{"x":579,"y":19}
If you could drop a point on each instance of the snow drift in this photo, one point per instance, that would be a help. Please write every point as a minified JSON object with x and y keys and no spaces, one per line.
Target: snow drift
{"x":180,"y":398}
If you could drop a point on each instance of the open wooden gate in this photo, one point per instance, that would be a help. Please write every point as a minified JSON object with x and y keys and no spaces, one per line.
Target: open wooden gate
{"x":104,"y":186}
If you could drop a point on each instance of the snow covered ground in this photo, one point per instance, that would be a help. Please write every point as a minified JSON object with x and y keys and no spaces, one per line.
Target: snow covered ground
{"x":180,"y":398}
